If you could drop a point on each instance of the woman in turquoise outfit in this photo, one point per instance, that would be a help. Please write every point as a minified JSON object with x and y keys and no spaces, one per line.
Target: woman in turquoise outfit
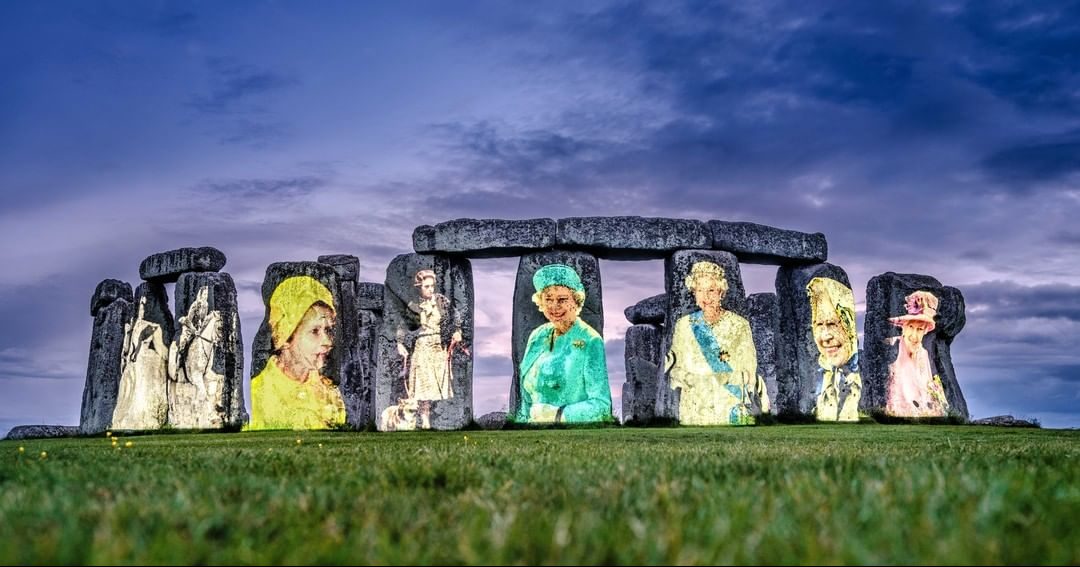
{"x":563,"y":373}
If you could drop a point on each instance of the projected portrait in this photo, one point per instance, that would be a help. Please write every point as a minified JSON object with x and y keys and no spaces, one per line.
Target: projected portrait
{"x":712,"y":360}
{"x":427,"y":348}
{"x":915,"y":390}
{"x":563,"y":371}
{"x":195,"y":382}
{"x":141,"y":401}
{"x":832,"y":309}
{"x":292,"y":391}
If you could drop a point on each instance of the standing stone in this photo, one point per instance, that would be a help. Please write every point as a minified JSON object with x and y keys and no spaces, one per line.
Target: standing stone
{"x":648,"y":311}
{"x":764,"y":315}
{"x":631,"y":238}
{"x":485,"y":238}
{"x":800,"y":374}
{"x":760,"y":244}
{"x":527,"y":315}
{"x":166,"y":267}
{"x":142,"y":402}
{"x":369,"y":296}
{"x":206,"y":359}
{"x":355,"y":389}
{"x":104,"y":367}
{"x":886,"y":296}
{"x":642,"y":358}
{"x":370,"y":303}
{"x":424,"y":376}
{"x":737,"y":348}
{"x":107,"y":292}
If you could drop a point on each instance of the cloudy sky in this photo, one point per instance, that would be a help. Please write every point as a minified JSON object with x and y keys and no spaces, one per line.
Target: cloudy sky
{"x":941,"y":139}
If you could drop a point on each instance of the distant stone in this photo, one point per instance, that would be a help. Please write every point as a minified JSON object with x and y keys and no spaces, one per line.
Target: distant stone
{"x":20,"y":432}
{"x":142,"y":402}
{"x":356,"y":386}
{"x":760,"y":244}
{"x":764,"y":315}
{"x":369,"y":296}
{"x":631,"y":238}
{"x":347,"y":267}
{"x":648,"y":311}
{"x":107,"y":292}
{"x":886,"y":296}
{"x":493,"y":420}
{"x":642,"y":361}
{"x":104,"y":367}
{"x":166,"y":267}
{"x":485,"y":238}
{"x":1001,"y":420}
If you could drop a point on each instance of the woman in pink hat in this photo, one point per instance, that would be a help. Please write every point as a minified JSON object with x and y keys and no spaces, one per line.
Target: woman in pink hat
{"x":914,"y":389}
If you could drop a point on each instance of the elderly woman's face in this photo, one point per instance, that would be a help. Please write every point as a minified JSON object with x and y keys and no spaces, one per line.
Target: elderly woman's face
{"x":313,"y":338}
{"x":831,"y":337}
{"x":558,"y":304}
{"x":914,"y":331}
{"x":709,"y":292}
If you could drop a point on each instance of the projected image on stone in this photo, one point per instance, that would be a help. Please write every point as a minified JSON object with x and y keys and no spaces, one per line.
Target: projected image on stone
{"x":293,"y":390}
{"x":142,"y":401}
{"x":832,"y":310}
{"x":915,"y":388}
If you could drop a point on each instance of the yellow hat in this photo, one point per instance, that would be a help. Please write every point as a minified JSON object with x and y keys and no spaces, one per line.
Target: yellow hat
{"x":830,"y":296}
{"x":290,"y":301}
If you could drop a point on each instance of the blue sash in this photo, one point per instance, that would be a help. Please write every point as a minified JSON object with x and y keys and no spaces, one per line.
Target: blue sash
{"x":707,"y":342}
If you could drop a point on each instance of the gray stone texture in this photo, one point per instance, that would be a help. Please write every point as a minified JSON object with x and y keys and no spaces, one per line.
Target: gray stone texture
{"x":885,"y":297}
{"x":206,"y":360}
{"x":648,"y":311}
{"x":395,"y":407}
{"x":797,"y":353}
{"x":681,"y":302}
{"x":760,"y":244}
{"x":346,"y":266}
{"x":642,"y":359}
{"x":107,"y":292}
{"x":527,"y":316}
{"x":485,"y":238}
{"x":493,"y":420}
{"x":20,"y":432}
{"x":764,"y":316}
{"x":631,"y":238}
{"x":355,"y":386}
{"x":166,"y":267}
{"x":104,"y":367}
{"x":142,"y":401}
{"x":999,"y":420}
{"x":369,"y":296}
{"x":368,"y":347}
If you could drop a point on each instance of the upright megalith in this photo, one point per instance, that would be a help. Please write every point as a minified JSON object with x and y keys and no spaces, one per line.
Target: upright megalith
{"x":295,"y":357}
{"x":370,"y":304}
{"x":761,"y":244}
{"x":763,"y":311}
{"x":206,"y":359}
{"x":485,"y":238}
{"x":142,"y":402}
{"x":106,"y":354}
{"x":642,"y":360}
{"x":631,"y":238}
{"x":710,"y":374}
{"x":911,"y":321}
{"x":424,"y":373}
{"x":560,"y":369}
{"x":356,"y":388}
{"x":819,"y":372}
{"x":648,"y":311}
{"x":166,"y":267}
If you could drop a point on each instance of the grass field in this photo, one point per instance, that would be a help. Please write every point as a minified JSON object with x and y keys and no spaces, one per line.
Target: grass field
{"x":868,"y":494}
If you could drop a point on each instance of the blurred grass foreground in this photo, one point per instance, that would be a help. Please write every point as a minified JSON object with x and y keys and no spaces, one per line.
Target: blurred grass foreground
{"x":868,"y":494}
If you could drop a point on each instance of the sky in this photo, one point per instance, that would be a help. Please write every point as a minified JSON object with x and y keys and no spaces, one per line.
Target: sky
{"x":938,"y":138}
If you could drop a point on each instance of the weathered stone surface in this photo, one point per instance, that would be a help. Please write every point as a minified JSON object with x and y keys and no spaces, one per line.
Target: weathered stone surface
{"x":999,"y":420}
{"x":356,"y":386}
{"x":648,"y":311}
{"x":681,"y":302}
{"x":103,"y":368}
{"x":764,"y":313}
{"x":166,"y":267}
{"x":527,"y":316}
{"x":20,"y":432}
{"x":885,"y":297}
{"x":493,"y":420}
{"x":346,"y":266}
{"x":760,"y":244}
{"x":631,"y":238}
{"x":206,"y":359}
{"x":485,"y":238}
{"x":368,"y":347}
{"x":414,"y":391}
{"x":107,"y":292}
{"x":798,"y":368}
{"x":142,"y":402}
{"x":642,"y":359}
{"x":369,"y":296}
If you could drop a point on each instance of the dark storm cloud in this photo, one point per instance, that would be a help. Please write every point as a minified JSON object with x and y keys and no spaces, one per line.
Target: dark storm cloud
{"x":238,"y":87}
{"x":245,"y":189}
{"x":1002,"y":301}
{"x":1031,"y":161}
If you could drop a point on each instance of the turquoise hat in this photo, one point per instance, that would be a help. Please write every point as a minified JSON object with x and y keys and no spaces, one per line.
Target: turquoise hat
{"x":557,"y":274}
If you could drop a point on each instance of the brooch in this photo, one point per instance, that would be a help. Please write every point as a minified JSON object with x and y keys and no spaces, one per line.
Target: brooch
{"x":579,"y":343}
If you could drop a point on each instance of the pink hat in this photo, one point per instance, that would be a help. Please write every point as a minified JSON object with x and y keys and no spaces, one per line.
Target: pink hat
{"x":921,"y":306}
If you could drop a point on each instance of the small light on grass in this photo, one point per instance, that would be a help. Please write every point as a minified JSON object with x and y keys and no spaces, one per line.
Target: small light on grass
{"x":320,"y":445}
{"x":299,"y":441}
{"x":108,"y":433}
{"x":44,"y":454}
{"x":129,"y":444}
{"x":22,"y":449}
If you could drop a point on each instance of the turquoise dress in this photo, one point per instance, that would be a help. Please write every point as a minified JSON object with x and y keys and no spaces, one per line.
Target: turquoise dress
{"x":568,"y":372}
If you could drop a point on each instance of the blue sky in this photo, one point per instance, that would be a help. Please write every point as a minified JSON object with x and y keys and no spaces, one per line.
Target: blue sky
{"x":939,"y":138}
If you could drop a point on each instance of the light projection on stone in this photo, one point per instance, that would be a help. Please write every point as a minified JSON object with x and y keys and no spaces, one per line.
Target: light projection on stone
{"x":832,"y":311}
{"x":915,"y":389}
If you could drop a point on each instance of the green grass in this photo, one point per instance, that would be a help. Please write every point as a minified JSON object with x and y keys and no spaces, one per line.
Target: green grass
{"x":868,"y":494}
